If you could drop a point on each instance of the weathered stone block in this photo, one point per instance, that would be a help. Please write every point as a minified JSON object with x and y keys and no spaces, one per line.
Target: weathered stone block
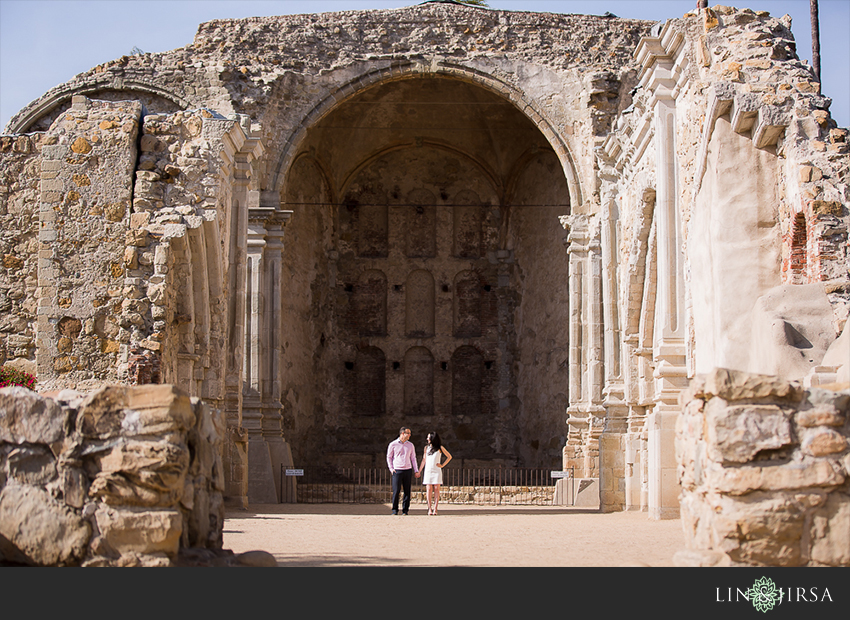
{"x":738,"y":385}
{"x":824,"y":442}
{"x":38,"y":530}
{"x":830,"y":532}
{"x":139,"y":473}
{"x":736,"y":434}
{"x":764,"y":533}
{"x":75,"y":486}
{"x":26,"y":417}
{"x":143,"y":410}
{"x":742,"y":480}
{"x":820,"y":416}
{"x":32,"y":465}
{"x":128,"y":531}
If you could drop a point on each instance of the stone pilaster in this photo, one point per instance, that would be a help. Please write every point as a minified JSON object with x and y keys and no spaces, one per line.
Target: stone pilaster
{"x":241,"y":154}
{"x":612,"y":466}
{"x":586,"y":357}
{"x":267,"y":450}
{"x":661,"y":67}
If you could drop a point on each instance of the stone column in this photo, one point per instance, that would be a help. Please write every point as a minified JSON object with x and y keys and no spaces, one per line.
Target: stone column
{"x":281,"y":454}
{"x":669,"y":351}
{"x":267,"y":450}
{"x":612,"y":441}
{"x":586,"y":411}
{"x":261,"y":487}
{"x":239,"y":152}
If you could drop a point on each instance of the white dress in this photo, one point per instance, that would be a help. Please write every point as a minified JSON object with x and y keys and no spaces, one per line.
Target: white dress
{"x":432,"y":474}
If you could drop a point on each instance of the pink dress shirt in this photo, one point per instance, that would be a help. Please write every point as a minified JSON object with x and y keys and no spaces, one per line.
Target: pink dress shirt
{"x":401,"y":456}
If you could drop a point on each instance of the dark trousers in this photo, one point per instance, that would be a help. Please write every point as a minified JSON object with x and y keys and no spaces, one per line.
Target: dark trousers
{"x":402,"y":479}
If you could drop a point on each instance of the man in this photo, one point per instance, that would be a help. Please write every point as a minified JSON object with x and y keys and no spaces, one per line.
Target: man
{"x":401,"y":459}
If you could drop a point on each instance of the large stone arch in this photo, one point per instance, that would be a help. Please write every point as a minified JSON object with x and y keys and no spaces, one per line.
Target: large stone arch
{"x":60,"y":98}
{"x":491,"y":189}
{"x":438,"y":68}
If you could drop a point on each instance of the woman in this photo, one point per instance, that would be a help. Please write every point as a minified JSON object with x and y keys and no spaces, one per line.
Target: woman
{"x":432,"y":469}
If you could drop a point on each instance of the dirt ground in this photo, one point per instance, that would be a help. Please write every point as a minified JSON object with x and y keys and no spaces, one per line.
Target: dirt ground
{"x":461,"y":535}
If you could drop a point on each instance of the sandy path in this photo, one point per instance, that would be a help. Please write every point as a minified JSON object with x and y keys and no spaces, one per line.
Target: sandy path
{"x":367,"y":535}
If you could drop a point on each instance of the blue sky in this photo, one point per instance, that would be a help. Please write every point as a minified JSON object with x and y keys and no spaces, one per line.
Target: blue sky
{"x":44,"y":43}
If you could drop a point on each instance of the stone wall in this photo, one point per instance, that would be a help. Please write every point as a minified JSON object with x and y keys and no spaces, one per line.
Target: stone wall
{"x":84,"y":204}
{"x":19,"y":189}
{"x":764,"y":466}
{"x":285,"y":72}
{"x":123,"y":476}
{"x":723,"y":233}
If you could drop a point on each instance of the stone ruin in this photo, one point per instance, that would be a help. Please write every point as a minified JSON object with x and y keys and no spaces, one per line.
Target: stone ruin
{"x":531,"y":232}
{"x":123,"y":476}
{"x":763,"y":465}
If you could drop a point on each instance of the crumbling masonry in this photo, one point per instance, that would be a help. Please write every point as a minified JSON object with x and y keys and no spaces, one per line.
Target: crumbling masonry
{"x":527,"y":231}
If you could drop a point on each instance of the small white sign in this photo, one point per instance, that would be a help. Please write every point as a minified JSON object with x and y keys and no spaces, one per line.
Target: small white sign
{"x":562,"y":474}
{"x":294,"y":472}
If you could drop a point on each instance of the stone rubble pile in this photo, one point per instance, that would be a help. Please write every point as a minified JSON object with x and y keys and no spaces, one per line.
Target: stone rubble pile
{"x":123,"y":476}
{"x":764,"y":466}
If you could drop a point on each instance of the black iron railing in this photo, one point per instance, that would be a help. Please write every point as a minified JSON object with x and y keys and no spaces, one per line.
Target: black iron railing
{"x":461,"y":485}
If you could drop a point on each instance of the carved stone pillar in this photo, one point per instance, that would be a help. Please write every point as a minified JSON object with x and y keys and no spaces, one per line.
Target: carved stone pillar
{"x":241,"y":152}
{"x":279,"y":449}
{"x":661,"y":67}
{"x":612,"y":442}
{"x":261,"y":412}
{"x":586,"y":412}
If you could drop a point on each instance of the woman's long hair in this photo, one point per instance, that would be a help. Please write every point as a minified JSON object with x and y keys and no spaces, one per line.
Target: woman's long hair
{"x":434,"y":442}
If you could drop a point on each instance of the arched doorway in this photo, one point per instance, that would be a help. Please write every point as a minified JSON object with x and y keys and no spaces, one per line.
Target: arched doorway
{"x":451,"y":193}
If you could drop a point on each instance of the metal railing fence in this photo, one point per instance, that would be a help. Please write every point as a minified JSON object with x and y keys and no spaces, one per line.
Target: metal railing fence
{"x":461,"y":485}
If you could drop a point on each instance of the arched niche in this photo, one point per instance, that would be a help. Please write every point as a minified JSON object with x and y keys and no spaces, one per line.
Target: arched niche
{"x":467,"y":381}
{"x":419,"y":304}
{"x":466,"y":308}
{"x":468,"y":220}
{"x":39,"y":115}
{"x":370,"y":303}
{"x":368,"y":88}
{"x":420,"y":224}
{"x":370,"y":385}
{"x":365,"y":212}
{"x":457,"y":146}
{"x":418,"y":382}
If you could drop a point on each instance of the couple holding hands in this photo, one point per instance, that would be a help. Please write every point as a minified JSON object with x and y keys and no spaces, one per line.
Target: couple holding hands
{"x":401,"y":459}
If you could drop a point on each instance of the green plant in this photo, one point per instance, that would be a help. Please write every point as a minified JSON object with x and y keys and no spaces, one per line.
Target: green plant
{"x":9,"y":375}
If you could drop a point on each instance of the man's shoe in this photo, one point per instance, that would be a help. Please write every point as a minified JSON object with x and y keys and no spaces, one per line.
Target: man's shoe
{"x":404,"y":514}
{"x":395,"y":512}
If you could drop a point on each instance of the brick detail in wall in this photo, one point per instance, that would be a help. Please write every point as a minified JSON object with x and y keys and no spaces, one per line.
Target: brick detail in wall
{"x":799,"y":250}
{"x":143,"y":367}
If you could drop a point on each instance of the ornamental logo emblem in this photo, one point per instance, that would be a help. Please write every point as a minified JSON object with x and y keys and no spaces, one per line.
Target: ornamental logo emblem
{"x":764,"y":595}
